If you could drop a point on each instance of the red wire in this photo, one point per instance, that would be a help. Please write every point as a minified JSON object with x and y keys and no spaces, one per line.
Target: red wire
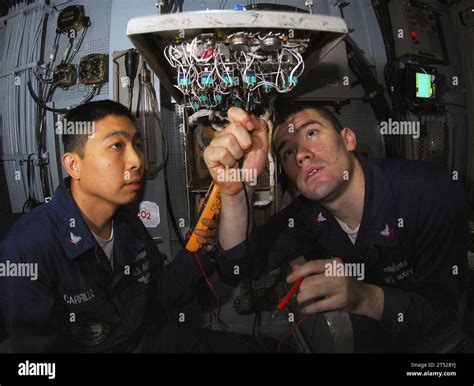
{"x":291,"y":331}
{"x":209,"y":284}
{"x":218,"y":303}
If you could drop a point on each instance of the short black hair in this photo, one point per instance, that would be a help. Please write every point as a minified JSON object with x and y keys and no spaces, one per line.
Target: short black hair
{"x":284,"y":110}
{"x":90,"y":112}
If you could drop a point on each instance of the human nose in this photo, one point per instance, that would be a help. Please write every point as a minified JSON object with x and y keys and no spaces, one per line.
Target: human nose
{"x":302,"y":154}
{"x":134,"y":159}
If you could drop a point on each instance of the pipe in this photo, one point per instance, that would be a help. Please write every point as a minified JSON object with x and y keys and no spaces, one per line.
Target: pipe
{"x":40,"y":4}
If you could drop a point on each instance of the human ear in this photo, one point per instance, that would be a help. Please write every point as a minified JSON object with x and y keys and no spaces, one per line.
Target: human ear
{"x":72,"y":163}
{"x":349,"y":138}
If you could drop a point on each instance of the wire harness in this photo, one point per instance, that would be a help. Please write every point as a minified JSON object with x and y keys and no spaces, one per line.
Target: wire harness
{"x":241,"y":68}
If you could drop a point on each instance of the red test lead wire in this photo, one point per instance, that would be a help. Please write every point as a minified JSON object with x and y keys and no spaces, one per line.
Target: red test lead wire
{"x":285,"y":301}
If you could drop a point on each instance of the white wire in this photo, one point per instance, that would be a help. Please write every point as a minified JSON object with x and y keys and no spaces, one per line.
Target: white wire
{"x":187,"y":58}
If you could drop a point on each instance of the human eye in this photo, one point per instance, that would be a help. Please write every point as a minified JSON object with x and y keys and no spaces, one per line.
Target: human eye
{"x":287,"y":153}
{"x":117,"y":146}
{"x":312,"y":133}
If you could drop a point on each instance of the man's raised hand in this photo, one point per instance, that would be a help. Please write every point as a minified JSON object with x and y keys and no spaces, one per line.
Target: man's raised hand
{"x":245,"y":136}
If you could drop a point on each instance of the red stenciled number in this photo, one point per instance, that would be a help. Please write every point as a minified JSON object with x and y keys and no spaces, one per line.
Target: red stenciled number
{"x":144,"y":214}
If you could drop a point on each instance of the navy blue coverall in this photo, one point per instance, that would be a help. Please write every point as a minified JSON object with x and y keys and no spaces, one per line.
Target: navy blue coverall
{"x":77,"y":302}
{"x":412,"y":241}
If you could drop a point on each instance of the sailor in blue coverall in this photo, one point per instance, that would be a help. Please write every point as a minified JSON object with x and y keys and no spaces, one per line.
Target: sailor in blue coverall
{"x":102,"y":285}
{"x":403,"y":223}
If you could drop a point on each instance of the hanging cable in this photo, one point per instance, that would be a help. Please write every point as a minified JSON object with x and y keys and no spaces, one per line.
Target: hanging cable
{"x":383,"y":17}
{"x":78,"y":45}
{"x":151,"y":94}
{"x":30,"y":202}
{"x":171,"y":213}
{"x":41,"y":103}
{"x":374,"y":92}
